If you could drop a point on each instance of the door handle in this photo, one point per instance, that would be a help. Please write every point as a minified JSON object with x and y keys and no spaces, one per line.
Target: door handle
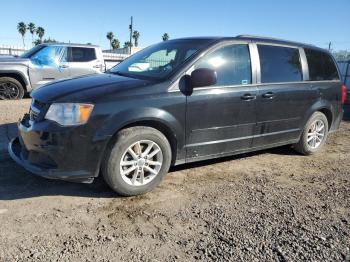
{"x":269,"y":95}
{"x":248,"y":97}
{"x":64,"y":66}
{"x":97,"y":66}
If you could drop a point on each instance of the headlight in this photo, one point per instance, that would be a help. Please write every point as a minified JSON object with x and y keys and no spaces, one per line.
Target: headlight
{"x":69,"y":114}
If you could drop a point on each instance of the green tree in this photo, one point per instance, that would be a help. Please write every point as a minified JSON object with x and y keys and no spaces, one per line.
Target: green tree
{"x":165,"y":37}
{"x":110,"y":37}
{"x":127,"y":44}
{"x":136,"y":36}
{"x":47,"y":40}
{"x":31,"y":28}
{"x":40,"y":32}
{"x":341,"y":55}
{"x":22,"y":28}
{"x":115,"y":44}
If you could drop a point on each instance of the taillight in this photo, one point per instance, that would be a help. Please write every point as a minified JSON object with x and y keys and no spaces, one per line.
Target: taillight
{"x":343,"y":94}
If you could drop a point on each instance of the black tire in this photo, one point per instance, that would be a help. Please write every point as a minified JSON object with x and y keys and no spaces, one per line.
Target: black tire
{"x":113,"y":157}
{"x":10,"y":89}
{"x":303,"y":146}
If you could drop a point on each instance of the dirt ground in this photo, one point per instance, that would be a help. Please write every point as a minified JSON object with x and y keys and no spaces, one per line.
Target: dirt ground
{"x":273,"y":205}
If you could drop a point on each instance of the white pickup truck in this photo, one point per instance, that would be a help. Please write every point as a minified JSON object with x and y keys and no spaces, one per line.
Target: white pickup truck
{"x":45,"y":63}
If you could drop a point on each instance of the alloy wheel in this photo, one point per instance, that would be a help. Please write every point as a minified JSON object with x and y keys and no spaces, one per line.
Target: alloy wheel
{"x":315,"y":134}
{"x":9,"y":91}
{"x":141,"y":163}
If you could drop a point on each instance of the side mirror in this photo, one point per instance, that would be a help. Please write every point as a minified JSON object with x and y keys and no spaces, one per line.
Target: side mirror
{"x":203,"y":77}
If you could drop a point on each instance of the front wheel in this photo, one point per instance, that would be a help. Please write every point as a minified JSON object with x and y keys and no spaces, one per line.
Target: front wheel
{"x":314,"y":135}
{"x":137,"y":162}
{"x":10,"y":89}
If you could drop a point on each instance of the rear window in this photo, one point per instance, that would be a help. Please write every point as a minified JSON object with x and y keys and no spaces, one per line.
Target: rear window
{"x":82,"y":54}
{"x":279,"y":64}
{"x":321,"y":66}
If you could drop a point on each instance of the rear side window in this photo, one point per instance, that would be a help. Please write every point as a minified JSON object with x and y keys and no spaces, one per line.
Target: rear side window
{"x":231,"y":63}
{"x":279,"y":64}
{"x":321,"y":66}
{"x":82,"y":54}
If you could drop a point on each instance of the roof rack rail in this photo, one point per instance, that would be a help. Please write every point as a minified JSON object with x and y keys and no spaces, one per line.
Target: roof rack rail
{"x":270,"y":38}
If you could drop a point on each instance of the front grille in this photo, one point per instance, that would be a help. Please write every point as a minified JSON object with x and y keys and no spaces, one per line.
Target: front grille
{"x":36,"y":110}
{"x":37,"y":104}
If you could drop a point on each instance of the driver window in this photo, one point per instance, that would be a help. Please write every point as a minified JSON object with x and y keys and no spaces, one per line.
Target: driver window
{"x":48,"y":56}
{"x":231,"y":63}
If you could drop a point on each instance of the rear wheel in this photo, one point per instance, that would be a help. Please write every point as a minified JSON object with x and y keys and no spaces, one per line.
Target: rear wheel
{"x":10,"y":89}
{"x":137,"y":162}
{"x":314,"y":135}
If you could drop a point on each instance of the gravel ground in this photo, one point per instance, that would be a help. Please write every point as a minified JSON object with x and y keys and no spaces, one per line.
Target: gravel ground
{"x":273,"y":205}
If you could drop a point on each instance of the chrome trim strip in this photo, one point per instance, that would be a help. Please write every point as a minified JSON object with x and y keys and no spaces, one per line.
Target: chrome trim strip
{"x":242,"y":138}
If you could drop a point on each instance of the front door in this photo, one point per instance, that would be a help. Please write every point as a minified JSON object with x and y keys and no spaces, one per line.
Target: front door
{"x":48,"y":64}
{"x":221,"y":118}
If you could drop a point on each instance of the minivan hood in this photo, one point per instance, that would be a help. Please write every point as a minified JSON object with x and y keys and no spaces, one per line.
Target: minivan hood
{"x":85,"y":88}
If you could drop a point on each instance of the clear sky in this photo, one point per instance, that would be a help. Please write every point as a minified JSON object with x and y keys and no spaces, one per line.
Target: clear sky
{"x":311,"y":21}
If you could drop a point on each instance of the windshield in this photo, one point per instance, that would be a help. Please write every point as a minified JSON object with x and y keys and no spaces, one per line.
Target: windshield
{"x":32,"y":51}
{"x":159,"y":61}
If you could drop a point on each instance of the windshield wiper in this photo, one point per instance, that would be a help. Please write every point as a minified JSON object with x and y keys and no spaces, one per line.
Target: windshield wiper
{"x":149,"y":78}
{"x":122,"y":74}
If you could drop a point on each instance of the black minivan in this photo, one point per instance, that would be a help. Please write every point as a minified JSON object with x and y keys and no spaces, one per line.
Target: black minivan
{"x":181,"y":101}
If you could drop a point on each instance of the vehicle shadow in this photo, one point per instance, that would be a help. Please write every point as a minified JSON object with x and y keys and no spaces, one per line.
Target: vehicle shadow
{"x":283,"y":150}
{"x":7,"y":132}
{"x":17,"y":183}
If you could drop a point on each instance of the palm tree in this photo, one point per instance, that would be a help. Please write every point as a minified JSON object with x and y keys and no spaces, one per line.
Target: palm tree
{"x":31,"y":28}
{"x":136,"y":36}
{"x":165,"y":37}
{"x":22,"y":28}
{"x":127,"y":44}
{"x":110,"y":37}
{"x":115,"y":44}
{"x":40,"y":32}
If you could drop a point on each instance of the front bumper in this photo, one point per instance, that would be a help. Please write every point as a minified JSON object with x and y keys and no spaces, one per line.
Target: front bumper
{"x":15,"y":150}
{"x":56,"y":152}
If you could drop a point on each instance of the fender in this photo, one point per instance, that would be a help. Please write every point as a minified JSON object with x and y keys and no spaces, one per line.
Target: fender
{"x":319,"y":105}
{"x":125,"y":118}
{"x":22,"y":73}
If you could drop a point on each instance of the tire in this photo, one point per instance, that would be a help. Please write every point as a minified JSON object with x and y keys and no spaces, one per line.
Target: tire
{"x":118,"y":154}
{"x":303,"y":146}
{"x":10,"y":89}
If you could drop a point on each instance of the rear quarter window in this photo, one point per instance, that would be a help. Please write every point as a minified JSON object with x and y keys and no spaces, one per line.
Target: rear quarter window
{"x":82,"y":54}
{"x":279,"y":64}
{"x":321,"y":66}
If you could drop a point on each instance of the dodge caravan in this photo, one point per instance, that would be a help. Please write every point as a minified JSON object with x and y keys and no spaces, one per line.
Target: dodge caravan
{"x":181,"y":101}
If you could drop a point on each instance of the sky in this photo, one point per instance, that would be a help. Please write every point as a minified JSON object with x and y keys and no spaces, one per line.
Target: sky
{"x":315,"y":22}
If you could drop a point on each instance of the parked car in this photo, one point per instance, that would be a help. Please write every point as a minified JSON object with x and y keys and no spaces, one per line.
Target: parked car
{"x":45,"y":63}
{"x":344,"y":68}
{"x":192,"y":99}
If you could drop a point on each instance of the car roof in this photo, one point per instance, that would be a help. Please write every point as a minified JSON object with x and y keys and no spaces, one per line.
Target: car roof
{"x":69,"y":44}
{"x":253,"y":38}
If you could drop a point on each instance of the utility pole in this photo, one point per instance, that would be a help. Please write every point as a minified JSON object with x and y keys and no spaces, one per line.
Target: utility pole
{"x":329,"y":46}
{"x":131,"y":31}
